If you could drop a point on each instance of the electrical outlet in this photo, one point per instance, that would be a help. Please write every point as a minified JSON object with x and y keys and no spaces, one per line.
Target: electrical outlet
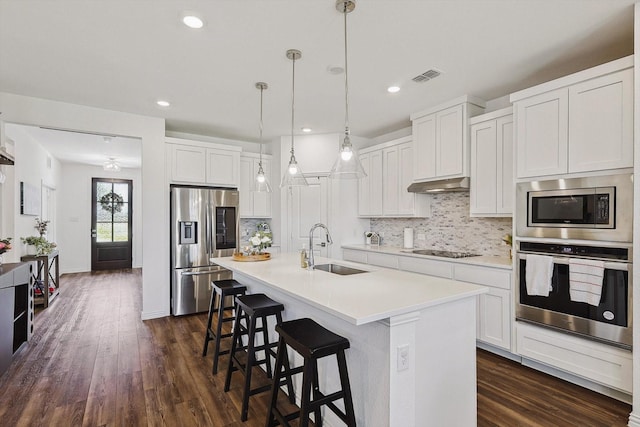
{"x":422,"y":236}
{"x":403,"y":357}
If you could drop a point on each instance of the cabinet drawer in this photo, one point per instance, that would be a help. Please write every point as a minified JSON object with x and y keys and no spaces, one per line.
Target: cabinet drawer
{"x":355,"y":256}
{"x":597,"y":362}
{"x":483,"y":276}
{"x":383,"y":260}
{"x":427,"y":266}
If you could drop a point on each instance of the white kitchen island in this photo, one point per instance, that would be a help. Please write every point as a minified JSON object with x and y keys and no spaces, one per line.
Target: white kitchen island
{"x":412,"y":360}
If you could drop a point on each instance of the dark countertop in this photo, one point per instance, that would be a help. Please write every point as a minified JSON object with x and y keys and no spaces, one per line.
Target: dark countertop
{"x":7,"y":270}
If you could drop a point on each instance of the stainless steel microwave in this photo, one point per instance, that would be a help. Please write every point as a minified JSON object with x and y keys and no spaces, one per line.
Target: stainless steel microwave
{"x":590,"y":208}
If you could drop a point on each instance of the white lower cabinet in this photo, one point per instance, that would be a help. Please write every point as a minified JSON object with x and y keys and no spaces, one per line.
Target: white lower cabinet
{"x":382,"y":260}
{"x":354,"y":256}
{"x":495,"y":308}
{"x":495,"y":318}
{"x":600,"y":363}
{"x":427,"y":266}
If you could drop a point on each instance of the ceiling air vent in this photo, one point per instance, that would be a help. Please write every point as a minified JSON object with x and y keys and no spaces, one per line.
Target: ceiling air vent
{"x":427,"y":75}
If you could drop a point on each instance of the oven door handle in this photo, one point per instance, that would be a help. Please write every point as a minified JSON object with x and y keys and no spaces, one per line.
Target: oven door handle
{"x":621,"y":266}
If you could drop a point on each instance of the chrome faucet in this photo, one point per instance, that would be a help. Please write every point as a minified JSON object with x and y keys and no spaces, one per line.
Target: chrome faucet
{"x":311,"y":262}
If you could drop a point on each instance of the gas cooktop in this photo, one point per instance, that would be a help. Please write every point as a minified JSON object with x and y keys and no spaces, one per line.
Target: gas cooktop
{"x":444,"y":254}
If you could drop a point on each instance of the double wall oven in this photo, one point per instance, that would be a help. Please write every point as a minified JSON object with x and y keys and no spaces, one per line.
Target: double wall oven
{"x":570,"y":220}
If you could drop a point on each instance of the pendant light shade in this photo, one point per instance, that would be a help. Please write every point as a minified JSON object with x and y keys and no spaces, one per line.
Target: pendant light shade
{"x":261,"y":182}
{"x":347,"y":165}
{"x":293,"y":176}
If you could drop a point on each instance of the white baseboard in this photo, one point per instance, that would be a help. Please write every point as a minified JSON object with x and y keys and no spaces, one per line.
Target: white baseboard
{"x":148,"y":315}
{"x":499,"y":351}
{"x":598,"y":388}
{"x":634,"y":419}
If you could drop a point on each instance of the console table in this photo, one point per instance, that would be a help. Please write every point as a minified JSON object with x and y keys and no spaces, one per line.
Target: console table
{"x":48,"y":273}
{"x":16,"y":312}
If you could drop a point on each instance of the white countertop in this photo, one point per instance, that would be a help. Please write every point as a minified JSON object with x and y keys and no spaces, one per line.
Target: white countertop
{"x":378,"y":294}
{"x":488,"y":261}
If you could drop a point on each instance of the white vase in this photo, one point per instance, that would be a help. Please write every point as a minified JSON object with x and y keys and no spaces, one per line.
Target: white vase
{"x":31,"y":250}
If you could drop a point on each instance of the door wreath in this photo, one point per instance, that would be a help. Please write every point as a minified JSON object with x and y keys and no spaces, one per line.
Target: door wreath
{"x":111,"y":202}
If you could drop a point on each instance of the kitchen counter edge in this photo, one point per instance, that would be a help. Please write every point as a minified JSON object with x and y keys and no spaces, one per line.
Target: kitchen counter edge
{"x":482,"y":260}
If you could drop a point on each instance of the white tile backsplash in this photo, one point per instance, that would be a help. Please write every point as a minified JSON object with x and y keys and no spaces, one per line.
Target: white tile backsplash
{"x":449,"y":228}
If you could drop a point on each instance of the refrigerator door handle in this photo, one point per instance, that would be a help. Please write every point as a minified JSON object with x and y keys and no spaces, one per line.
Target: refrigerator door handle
{"x":200,"y":273}
{"x":208,"y":226}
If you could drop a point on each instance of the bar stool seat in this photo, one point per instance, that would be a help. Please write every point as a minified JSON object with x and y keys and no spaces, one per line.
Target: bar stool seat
{"x":250,"y":308}
{"x":220,"y":290}
{"x":312,"y":342}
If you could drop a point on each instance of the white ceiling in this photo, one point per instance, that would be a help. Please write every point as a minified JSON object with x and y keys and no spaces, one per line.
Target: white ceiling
{"x":83,"y":148}
{"x":124,"y":55}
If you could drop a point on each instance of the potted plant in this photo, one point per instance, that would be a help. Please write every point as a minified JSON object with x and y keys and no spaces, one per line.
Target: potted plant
{"x":38,"y":245}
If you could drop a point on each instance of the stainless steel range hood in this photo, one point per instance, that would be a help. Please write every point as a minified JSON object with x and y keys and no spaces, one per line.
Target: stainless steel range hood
{"x":6,"y":158}
{"x":442,"y":185}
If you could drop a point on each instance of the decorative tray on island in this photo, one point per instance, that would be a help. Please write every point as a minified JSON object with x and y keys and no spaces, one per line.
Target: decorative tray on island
{"x":251,"y":258}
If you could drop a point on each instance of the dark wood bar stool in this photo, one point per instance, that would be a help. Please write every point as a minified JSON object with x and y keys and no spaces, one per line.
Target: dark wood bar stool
{"x":250,"y":308}
{"x":220,"y":290}
{"x":312,"y":342}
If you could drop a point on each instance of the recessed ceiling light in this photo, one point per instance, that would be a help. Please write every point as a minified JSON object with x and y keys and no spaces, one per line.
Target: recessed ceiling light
{"x":306,"y":130}
{"x":335,"y":69}
{"x":393,"y":89}
{"x":193,"y":21}
{"x":163,"y":103}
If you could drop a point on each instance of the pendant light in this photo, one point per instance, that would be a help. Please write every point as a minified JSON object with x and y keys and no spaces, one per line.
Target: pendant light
{"x":261,"y":183}
{"x":293,"y":175}
{"x":348,"y":165}
{"x":111,"y":165}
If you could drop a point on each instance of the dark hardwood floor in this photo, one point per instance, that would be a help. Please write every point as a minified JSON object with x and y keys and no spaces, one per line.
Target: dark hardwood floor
{"x":93,"y":362}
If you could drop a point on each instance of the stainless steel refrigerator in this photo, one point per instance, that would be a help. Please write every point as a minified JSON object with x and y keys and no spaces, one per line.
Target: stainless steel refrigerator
{"x":204,"y":225}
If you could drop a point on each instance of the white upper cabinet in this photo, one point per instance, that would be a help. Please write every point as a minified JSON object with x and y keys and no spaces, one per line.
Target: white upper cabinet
{"x":195,"y":162}
{"x":601,"y":123}
{"x":254,"y":204}
{"x":370,"y":187}
{"x":579,"y":123}
{"x":441,"y":139}
{"x":223,"y":167}
{"x":491,"y":191}
{"x":542,"y":134}
{"x":187,"y":163}
{"x":383,"y":193}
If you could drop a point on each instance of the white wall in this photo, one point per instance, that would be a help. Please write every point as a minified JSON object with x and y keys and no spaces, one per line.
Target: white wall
{"x":155,"y":202}
{"x":74,"y":217}
{"x":41,"y":168}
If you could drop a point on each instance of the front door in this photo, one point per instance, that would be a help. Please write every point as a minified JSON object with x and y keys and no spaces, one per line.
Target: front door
{"x":111,"y":216}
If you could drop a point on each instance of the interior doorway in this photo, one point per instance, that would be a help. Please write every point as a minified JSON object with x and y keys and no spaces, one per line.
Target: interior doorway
{"x":111,"y":223}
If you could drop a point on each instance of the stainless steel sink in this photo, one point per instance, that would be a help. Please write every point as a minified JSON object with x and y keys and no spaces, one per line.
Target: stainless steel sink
{"x":338,"y":269}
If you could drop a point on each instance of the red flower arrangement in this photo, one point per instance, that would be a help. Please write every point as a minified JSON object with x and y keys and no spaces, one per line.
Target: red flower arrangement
{"x":5,"y":245}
